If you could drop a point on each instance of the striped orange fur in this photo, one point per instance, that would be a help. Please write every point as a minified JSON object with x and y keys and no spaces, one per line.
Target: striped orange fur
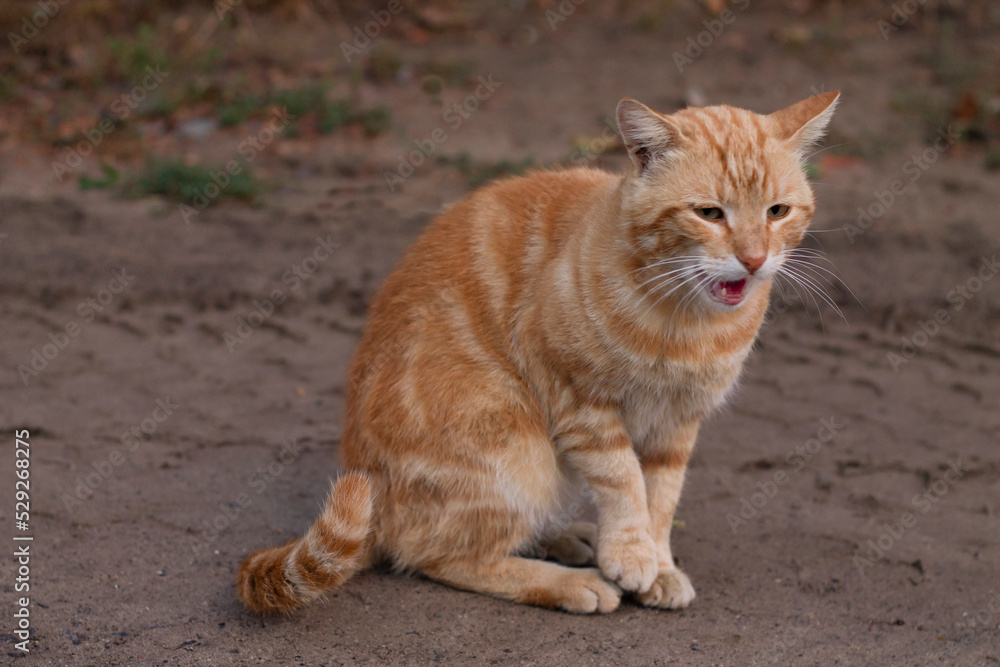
{"x":570,"y":327}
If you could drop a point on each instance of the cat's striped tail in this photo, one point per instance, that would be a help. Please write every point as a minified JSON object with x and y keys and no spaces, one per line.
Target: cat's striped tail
{"x":336,"y":547}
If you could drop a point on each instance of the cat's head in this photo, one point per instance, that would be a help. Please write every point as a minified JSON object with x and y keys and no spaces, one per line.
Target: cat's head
{"x":716,"y":197}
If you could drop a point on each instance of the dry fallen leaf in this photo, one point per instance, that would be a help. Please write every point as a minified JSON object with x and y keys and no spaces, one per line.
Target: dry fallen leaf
{"x":714,"y":6}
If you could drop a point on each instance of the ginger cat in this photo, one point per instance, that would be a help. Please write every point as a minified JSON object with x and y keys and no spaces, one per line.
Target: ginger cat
{"x":565,"y":327}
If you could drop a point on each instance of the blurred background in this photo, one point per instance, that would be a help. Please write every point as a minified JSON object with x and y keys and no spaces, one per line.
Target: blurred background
{"x":198,"y":201}
{"x":363,"y":80}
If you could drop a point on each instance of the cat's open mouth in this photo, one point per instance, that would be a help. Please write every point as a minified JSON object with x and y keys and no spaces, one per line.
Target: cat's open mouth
{"x":729,"y":292}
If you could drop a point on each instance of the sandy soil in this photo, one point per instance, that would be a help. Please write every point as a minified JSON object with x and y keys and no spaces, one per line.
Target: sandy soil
{"x":793,"y":516}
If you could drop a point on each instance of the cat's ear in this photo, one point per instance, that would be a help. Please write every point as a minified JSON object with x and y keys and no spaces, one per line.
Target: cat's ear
{"x":804,"y":123}
{"x":648,"y":136}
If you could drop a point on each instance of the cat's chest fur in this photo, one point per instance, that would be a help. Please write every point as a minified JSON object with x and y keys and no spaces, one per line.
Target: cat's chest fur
{"x":666,"y":393}
{"x":657,"y":381}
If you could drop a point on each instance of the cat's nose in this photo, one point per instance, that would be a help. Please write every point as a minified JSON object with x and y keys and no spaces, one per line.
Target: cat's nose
{"x":753,"y":262}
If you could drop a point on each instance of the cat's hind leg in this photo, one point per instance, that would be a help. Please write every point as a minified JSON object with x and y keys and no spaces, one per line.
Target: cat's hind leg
{"x":574,"y":546}
{"x":476,"y":514}
{"x":529,"y":581}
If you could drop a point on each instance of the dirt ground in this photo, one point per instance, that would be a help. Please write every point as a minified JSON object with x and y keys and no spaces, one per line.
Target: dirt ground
{"x":842,"y":511}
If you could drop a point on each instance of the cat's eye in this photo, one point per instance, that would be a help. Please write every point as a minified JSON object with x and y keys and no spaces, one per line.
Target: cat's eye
{"x":777,"y":211}
{"x":710,"y":213}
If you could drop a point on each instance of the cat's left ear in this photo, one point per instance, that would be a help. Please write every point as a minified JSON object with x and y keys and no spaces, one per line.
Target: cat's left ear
{"x":648,"y":136}
{"x":804,"y":123}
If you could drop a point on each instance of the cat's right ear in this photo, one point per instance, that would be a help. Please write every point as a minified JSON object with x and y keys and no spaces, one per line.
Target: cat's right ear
{"x":804,"y":123}
{"x":648,"y":136}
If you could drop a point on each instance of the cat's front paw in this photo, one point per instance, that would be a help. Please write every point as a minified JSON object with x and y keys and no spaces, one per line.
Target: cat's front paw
{"x":628,"y":559}
{"x":671,"y":590}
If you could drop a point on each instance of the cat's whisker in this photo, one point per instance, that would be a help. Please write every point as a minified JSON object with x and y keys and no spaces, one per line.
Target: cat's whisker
{"x":810,"y":282}
{"x":685,"y":278}
{"x":823,"y":150}
{"x":662,"y":262}
{"x":821,"y":279}
{"x":810,"y":256}
{"x":679,"y":286}
{"x":693,"y":290}
{"x":808,"y":252}
{"x":804,"y":255}
{"x":666,"y":280}
{"x":781,"y":290}
{"x":675,"y":282}
{"x":667,"y":274}
{"x":703,"y":283}
{"x":791,"y":283}
{"x":796,"y":283}
{"x":816,"y":267}
{"x":792,"y":280}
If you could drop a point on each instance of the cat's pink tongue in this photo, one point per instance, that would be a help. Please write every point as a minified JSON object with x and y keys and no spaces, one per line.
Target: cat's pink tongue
{"x":730,"y":292}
